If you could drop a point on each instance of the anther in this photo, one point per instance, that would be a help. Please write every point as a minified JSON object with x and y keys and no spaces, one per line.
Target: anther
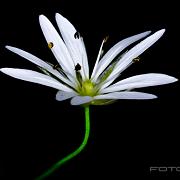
{"x":50,"y":45}
{"x":77,"y":35}
{"x":56,"y":66}
{"x":136,"y":59}
{"x":77,"y":67}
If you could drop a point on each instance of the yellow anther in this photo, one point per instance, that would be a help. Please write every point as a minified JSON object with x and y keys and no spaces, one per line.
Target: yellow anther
{"x":136,"y":59}
{"x":50,"y":45}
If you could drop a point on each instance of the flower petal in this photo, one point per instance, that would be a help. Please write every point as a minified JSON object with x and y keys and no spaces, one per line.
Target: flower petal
{"x":84,"y":60}
{"x":74,"y":44}
{"x":78,"y":100}
{"x":139,"y":81}
{"x":134,"y":52}
{"x":40,"y":63}
{"x":126,"y":95}
{"x":33,"y":76}
{"x":115,"y":50}
{"x":61,"y":95}
{"x":59,"y":49}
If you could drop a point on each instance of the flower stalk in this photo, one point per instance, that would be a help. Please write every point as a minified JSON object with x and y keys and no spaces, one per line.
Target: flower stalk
{"x":74,"y":153}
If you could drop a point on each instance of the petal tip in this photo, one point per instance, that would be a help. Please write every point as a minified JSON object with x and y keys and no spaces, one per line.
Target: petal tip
{"x":7,"y":47}
{"x":170,"y":79}
{"x":174,"y":79}
{"x":148,"y":32}
{"x":42,"y":17}
{"x":153,"y":97}
{"x":59,"y":16}
{"x":161,"y":32}
{"x":5,"y":70}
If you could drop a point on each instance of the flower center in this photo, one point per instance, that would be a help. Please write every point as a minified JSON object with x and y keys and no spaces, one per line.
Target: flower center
{"x":87,"y":88}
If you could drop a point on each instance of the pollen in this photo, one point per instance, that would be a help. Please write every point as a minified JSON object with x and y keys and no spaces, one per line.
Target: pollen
{"x":50,"y":45}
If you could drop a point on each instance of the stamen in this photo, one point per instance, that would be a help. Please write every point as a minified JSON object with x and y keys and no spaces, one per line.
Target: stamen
{"x":100,"y":54}
{"x":50,"y":45}
{"x":56,"y":66}
{"x":77,"y":67}
{"x":137,"y":59}
{"x":106,"y":38}
{"x":77,"y":35}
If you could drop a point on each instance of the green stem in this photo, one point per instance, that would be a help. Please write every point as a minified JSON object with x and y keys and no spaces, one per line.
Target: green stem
{"x":74,"y":153}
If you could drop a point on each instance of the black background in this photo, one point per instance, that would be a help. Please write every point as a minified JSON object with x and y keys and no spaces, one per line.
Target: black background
{"x":126,"y":137}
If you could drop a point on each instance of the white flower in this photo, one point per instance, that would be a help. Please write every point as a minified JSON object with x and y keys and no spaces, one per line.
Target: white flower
{"x":71,"y":77}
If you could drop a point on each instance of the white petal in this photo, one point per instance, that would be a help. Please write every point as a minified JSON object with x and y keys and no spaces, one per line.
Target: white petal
{"x":78,"y":100}
{"x":32,"y":76}
{"x":126,"y":95}
{"x":139,"y":81}
{"x":74,"y":45}
{"x":115,"y":50}
{"x":84,"y":60}
{"x":59,"y":49}
{"x":61,"y":95}
{"x":40,"y":63}
{"x":136,"y":51}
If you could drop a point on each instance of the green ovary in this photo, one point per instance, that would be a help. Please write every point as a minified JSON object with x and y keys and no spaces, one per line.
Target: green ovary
{"x":87,"y":88}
